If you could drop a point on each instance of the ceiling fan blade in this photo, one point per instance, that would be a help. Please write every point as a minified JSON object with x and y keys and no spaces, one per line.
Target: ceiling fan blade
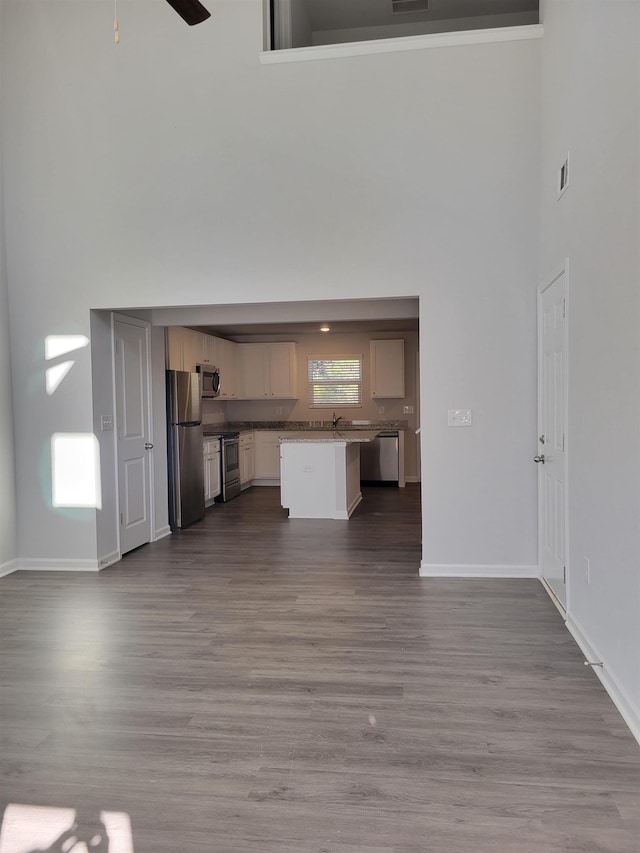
{"x":190,"y":11}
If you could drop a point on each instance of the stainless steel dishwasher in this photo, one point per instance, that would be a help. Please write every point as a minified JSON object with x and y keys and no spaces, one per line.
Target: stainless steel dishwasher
{"x":379,"y":459}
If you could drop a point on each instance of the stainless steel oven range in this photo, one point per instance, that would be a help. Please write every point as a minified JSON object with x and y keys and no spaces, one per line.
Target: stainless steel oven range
{"x":230,"y":462}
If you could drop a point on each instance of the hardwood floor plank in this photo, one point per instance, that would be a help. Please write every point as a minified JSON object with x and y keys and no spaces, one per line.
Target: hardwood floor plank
{"x":255,"y":685}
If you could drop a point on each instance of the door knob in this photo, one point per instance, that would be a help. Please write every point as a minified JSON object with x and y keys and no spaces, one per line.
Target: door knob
{"x":537,"y":459}
{"x":148,"y":445}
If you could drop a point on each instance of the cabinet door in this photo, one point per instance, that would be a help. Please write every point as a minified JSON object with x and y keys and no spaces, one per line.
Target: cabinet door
{"x":190,"y":352}
{"x":206,"y":467}
{"x":243,"y":465}
{"x":266,"y":447}
{"x":272,"y":460}
{"x":246,"y":458}
{"x":267,"y":456}
{"x":205,"y":350}
{"x":250,"y":463}
{"x":283,"y":370}
{"x":173,"y":344}
{"x":215,"y":471}
{"x":227,"y":357}
{"x":252,"y":371}
{"x":387,"y":368}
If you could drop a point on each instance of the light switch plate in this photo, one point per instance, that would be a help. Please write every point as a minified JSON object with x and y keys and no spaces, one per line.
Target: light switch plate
{"x":407,"y":410}
{"x":460,"y":417}
{"x":106,"y":422}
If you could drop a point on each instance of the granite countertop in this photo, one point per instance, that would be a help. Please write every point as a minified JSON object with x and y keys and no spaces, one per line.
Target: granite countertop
{"x":331,"y":436}
{"x":301,"y":426}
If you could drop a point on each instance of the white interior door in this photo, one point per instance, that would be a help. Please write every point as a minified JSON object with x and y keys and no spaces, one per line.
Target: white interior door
{"x":133,"y":432}
{"x":552,"y":431}
{"x":418,"y":427}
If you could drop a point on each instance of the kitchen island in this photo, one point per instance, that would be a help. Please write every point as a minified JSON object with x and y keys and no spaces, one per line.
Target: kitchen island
{"x":320,"y":472}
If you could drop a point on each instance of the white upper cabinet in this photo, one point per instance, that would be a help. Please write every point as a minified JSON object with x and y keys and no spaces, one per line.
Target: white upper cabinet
{"x":173,"y":343}
{"x":387,"y":369}
{"x":268,"y":371}
{"x":206,"y":350}
{"x":190,"y":349}
{"x":187,"y":348}
{"x":283,"y":370}
{"x":227,"y":362}
{"x":252,"y":370}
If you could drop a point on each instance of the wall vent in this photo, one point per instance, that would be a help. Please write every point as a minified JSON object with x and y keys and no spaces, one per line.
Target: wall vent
{"x":401,"y":6}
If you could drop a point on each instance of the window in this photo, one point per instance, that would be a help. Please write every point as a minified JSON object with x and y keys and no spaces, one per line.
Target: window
{"x":335,"y":381}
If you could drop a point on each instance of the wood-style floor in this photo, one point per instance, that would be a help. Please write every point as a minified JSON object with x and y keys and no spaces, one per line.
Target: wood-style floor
{"x":259,"y":685}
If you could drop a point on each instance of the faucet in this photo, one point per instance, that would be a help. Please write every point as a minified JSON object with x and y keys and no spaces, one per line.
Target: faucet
{"x":335,"y":420}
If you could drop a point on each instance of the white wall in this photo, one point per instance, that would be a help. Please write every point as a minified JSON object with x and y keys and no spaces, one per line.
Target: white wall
{"x":591,"y":96}
{"x":7,"y":468}
{"x":175,"y":169}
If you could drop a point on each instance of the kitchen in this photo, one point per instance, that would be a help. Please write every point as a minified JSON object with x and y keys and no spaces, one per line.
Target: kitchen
{"x":266,"y":395}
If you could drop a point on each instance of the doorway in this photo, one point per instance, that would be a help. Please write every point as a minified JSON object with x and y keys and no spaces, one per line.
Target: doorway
{"x":552,"y":436}
{"x":133,"y":431}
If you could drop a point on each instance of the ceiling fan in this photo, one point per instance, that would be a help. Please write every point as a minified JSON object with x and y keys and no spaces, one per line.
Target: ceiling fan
{"x":191,"y":11}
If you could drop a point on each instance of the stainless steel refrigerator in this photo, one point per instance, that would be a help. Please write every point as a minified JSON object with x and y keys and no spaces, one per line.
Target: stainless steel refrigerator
{"x":186,"y":471}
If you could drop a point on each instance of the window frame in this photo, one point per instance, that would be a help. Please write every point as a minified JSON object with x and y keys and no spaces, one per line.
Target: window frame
{"x":359,"y":357}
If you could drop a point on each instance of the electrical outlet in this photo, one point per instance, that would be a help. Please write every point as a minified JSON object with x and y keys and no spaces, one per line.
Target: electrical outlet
{"x":587,"y":570}
{"x":381,"y":410}
{"x":278,"y":410}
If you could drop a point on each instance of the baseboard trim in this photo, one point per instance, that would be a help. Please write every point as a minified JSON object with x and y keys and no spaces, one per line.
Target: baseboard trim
{"x":412,"y":479}
{"x":109,"y":560}
{"x":562,"y":610}
{"x":477,"y":570}
{"x":623,"y":702}
{"x":354,"y":503}
{"x":55,"y":564}
{"x":8,"y":568}
{"x":160,"y":534}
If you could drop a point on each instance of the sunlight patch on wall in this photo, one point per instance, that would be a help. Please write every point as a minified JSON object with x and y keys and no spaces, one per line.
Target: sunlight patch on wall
{"x":56,"y":374}
{"x":29,"y":828}
{"x":57,"y":345}
{"x":75,"y":471}
{"x":54,"y":347}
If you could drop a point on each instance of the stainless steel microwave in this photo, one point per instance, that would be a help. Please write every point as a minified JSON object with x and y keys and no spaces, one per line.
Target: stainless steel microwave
{"x":210,"y":380}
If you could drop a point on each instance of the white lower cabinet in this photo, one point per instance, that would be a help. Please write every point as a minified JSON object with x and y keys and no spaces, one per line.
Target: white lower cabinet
{"x":267,"y":456}
{"x":247,"y":459}
{"x":212,"y":470}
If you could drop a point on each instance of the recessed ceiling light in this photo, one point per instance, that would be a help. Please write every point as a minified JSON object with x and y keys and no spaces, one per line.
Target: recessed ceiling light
{"x":325,"y":328}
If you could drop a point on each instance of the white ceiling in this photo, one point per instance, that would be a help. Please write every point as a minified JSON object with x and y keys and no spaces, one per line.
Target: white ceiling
{"x":347,"y":14}
{"x":242,"y":330}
